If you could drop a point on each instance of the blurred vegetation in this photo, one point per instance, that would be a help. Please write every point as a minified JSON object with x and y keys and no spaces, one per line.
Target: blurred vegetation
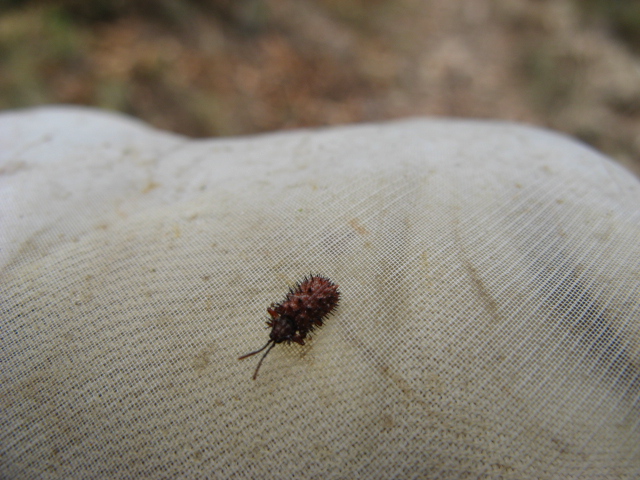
{"x":622,"y":18}
{"x":171,"y":12}
{"x":67,"y":51}
{"x":229,"y":67}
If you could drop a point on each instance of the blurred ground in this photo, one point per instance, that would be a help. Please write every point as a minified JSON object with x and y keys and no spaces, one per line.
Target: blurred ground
{"x":230,"y":67}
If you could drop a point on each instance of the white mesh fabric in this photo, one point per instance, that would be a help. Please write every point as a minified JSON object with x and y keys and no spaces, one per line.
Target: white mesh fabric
{"x":488,"y":327}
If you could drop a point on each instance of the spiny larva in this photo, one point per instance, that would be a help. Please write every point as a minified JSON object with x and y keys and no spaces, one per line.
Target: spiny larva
{"x":302,"y":310}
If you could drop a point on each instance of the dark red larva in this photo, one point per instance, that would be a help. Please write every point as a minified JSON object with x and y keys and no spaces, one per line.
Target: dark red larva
{"x":302,"y":310}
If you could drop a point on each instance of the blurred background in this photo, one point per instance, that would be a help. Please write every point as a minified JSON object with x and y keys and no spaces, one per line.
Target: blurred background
{"x":231,"y":67}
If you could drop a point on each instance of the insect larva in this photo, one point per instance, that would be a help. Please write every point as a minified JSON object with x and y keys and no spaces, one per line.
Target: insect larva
{"x":302,"y":310}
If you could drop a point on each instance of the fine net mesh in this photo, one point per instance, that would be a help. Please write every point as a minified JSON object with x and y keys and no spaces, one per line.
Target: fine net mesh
{"x":489,"y":324}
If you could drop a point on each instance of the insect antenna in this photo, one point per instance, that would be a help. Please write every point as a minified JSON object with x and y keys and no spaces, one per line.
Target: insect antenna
{"x":273,"y":344}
